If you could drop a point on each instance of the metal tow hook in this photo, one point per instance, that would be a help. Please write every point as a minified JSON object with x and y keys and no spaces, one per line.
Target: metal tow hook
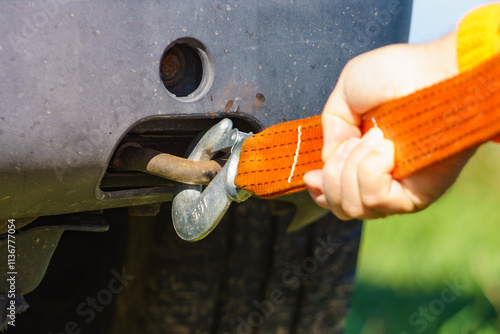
{"x":195,"y":212}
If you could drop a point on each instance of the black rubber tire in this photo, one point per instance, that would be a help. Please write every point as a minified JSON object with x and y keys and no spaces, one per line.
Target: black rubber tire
{"x":247,"y":276}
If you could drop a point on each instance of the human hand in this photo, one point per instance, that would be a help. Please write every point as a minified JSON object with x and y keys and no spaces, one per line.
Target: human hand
{"x":356,"y":181}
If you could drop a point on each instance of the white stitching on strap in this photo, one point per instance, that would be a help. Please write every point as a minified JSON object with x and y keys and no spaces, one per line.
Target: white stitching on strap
{"x":296,"y":155}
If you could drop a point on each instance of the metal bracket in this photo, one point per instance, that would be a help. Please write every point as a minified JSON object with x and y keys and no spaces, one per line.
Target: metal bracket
{"x":196,"y":212}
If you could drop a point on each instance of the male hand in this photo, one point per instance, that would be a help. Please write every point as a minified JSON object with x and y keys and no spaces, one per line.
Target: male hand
{"x":356,"y":181}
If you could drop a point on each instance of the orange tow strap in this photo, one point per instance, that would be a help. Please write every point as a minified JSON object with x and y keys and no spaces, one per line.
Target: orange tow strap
{"x":425,"y":127}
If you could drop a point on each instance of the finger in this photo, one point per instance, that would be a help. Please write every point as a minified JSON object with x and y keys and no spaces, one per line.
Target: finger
{"x":339,"y":123}
{"x":336,"y":130}
{"x":314,"y":183}
{"x":379,"y":192}
{"x":332,"y":172}
{"x":352,"y":205}
{"x":337,"y":103}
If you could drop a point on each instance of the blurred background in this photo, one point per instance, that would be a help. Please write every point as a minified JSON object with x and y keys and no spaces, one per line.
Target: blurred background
{"x":437,"y":271}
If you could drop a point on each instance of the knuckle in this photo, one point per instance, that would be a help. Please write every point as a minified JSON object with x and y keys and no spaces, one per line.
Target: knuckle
{"x":330,"y":172}
{"x":351,"y":210}
{"x":373,"y":201}
{"x":367,"y":167}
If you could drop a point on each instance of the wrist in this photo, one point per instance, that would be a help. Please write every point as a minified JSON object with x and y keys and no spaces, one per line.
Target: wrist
{"x":441,"y":56}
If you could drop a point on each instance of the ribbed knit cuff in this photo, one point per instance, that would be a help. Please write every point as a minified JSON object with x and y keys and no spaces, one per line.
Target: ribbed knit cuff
{"x":478,"y":36}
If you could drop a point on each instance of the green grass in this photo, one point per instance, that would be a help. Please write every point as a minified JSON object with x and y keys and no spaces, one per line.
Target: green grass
{"x":407,"y":262}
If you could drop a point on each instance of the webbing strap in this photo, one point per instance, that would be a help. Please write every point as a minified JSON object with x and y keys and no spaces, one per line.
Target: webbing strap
{"x":425,"y":127}
{"x":273,"y":162}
